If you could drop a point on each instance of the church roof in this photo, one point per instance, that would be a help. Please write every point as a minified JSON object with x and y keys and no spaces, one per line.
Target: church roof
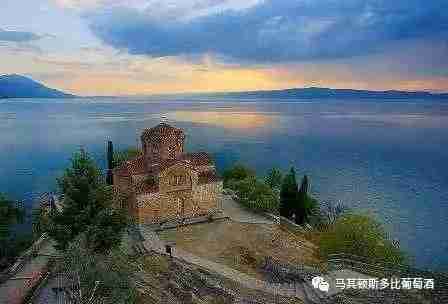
{"x":162,"y":130}
{"x":131,"y":167}
{"x":197,"y":159}
{"x":136,"y":165}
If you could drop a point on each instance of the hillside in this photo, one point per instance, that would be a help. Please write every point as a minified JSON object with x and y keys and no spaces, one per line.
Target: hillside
{"x":17,"y":86}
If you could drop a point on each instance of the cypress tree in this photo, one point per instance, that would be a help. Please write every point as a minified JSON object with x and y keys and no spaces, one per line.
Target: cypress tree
{"x":110,"y":163}
{"x":303,"y":204}
{"x":304,"y":186}
{"x":288,"y":194}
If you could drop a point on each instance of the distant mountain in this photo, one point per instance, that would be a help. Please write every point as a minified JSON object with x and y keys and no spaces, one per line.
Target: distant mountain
{"x":313,"y":92}
{"x":17,"y":86}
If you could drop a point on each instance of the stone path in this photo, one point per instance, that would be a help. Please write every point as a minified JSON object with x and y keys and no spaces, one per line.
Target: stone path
{"x":238,"y":213}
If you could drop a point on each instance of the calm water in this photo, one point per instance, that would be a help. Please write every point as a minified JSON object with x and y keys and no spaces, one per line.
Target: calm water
{"x":389,"y":159}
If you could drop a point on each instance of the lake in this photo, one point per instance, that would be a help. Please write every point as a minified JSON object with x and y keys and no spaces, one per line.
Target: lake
{"x":386,"y":158}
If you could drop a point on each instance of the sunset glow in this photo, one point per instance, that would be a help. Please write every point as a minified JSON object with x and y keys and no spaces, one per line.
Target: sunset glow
{"x":105,"y":47}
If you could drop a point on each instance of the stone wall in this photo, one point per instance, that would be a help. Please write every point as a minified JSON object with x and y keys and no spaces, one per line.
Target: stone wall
{"x":148,"y":208}
{"x":208,"y":196}
{"x":124,"y":188}
{"x":177,"y":178}
{"x":138,"y":178}
{"x":167,"y":148}
{"x":122,"y":182}
{"x":171,"y":205}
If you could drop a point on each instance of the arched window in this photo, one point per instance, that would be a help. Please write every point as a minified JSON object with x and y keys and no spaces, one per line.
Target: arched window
{"x":155,"y":150}
{"x":172,"y":151}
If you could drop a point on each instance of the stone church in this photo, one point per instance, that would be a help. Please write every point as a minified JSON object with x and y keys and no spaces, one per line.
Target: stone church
{"x":165,"y":182}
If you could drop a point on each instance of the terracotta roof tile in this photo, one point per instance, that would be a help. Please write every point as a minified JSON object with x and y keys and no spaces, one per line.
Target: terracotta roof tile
{"x":131,"y":167}
{"x":165,"y":164}
{"x":162,"y":130}
{"x":198,"y":159}
{"x":136,"y":165}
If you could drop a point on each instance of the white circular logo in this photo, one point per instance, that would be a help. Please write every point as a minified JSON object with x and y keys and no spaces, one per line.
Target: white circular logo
{"x":320,"y":283}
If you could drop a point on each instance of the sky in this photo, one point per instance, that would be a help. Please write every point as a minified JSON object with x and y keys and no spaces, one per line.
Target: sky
{"x":140,"y":47}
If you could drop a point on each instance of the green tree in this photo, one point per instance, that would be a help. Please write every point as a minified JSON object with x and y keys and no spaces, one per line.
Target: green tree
{"x":11,"y":244}
{"x":305,"y":205}
{"x":255,"y":194}
{"x":10,"y":214}
{"x":288,"y":194}
{"x":40,"y":221}
{"x":274,"y":178}
{"x":360,"y":235}
{"x":237,"y":173}
{"x":121,"y":156}
{"x":244,"y":188}
{"x":263,"y":198}
{"x":88,"y":205}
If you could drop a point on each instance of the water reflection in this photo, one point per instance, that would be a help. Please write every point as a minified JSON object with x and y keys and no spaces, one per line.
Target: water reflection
{"x":230,"y":120}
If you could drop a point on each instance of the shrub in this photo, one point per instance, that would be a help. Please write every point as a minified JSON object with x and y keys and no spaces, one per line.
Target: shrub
{"x":237,"y":173}
{"x":274,"y":178}
{"x":327,"y":214}
{"x":112,"y":273}
{"x":255,"y":194}
{"x":362,"y":236}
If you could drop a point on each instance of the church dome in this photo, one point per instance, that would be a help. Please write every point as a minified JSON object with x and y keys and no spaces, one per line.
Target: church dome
{"x":162,"y":130}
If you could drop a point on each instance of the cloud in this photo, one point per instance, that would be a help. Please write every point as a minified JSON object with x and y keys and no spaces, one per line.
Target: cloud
{"x":172,"y":8}
{"x":18,"y":36}
{"x":272,"y":30}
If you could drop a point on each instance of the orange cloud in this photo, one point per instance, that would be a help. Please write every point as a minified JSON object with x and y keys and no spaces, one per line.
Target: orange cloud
{"x":103,"y":71}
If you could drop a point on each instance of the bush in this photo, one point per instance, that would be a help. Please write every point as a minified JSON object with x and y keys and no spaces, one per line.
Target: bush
{"x":274,"y":178}
{"x":362,"y":236}
{"x":327,"y":214}
{"x":236,"y":173}
{"x":112,"y":273}
{"x":255,"y":194}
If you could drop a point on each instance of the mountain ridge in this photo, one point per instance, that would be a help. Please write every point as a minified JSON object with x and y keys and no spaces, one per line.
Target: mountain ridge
{"x":19,"y":86}
{"x":318,"y":92}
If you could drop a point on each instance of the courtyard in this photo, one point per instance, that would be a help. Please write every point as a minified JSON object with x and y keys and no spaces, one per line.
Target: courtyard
{"x":241,"y":246}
